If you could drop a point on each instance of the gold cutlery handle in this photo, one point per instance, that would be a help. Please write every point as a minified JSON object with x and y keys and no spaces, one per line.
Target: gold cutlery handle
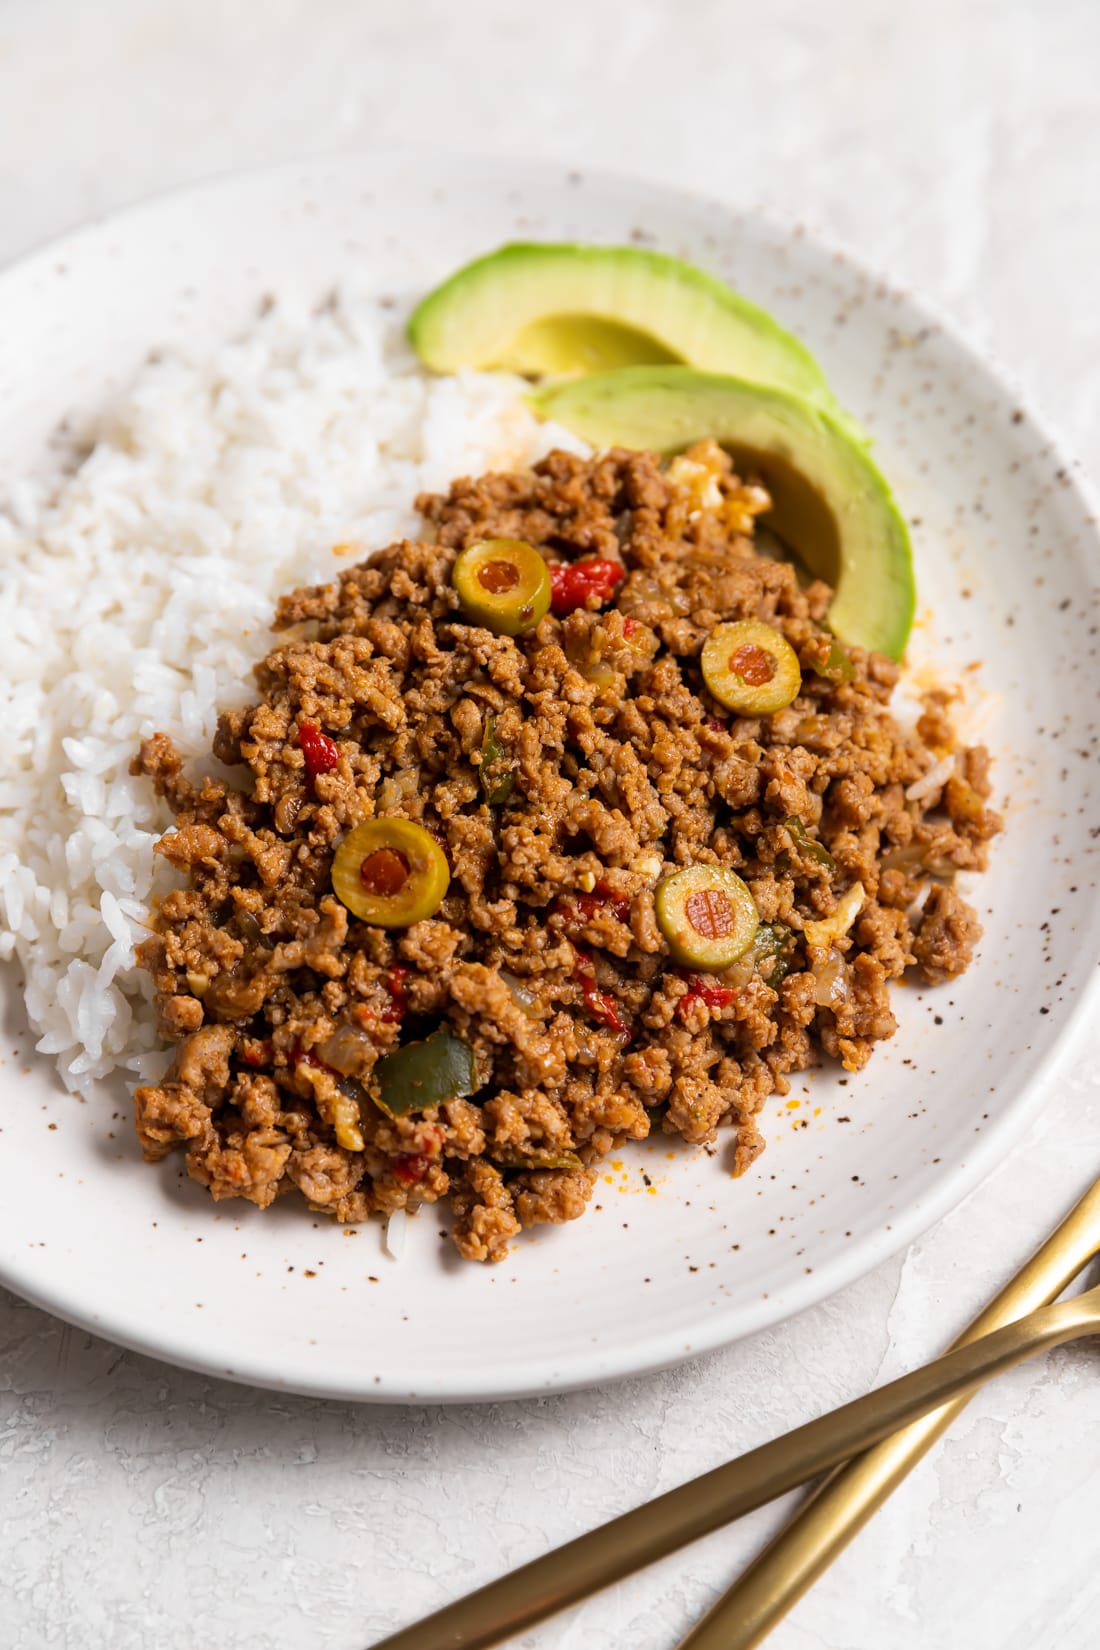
{"x":583,"y":1566}
{"x":821,"y":1529}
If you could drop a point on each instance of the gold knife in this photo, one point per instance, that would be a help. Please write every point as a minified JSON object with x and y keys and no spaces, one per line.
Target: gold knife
{"x":843,"y":1503}
{"x":536,"y":1590}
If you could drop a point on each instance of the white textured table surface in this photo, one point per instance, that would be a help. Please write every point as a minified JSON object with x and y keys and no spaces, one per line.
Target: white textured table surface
{"x":958,"y":146}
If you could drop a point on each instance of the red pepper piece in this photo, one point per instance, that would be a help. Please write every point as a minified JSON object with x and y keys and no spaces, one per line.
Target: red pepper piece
{"x":581,"y":908}
{"x":258,"y":1051}
{"x":599,"y":1004}
{"x":704,"y":991}
{"x":589,"y":904}
{"x":410,"y":1167}
{"x":619,"y":903}
{"x":300,"y":1056}
{"x":571,"y":583}
{"x":630,"y":626}
{"x":306,"y":1057}
{"x":321,"y":753}
{"x":395,"y":985}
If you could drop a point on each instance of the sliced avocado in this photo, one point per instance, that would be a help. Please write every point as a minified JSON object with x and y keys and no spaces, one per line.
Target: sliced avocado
{"x":561,"y":309}
{"x":830,"y":503}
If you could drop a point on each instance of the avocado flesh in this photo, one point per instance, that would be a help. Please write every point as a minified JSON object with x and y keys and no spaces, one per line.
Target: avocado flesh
{"x":831,"y":505}
{"x":566,"y":308}
{"x":559,"y":346}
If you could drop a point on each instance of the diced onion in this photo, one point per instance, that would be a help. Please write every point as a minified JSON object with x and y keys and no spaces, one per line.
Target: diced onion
{"x":698,"y":479}
{"x":393,"y":1234}
{"x":936,"y":776}
{"x":519,"y":994}
{"x":832,"y":980}
{"x":649,"y":866}
{"x":348,"y":1051}
{"x":599,"y":673}
{"x":345,"y":1123}
{"x":586,"y":1051}
{"x":821,"y":935}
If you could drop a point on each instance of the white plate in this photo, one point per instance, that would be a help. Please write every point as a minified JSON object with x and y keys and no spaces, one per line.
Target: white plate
{"x":1003,"y":537}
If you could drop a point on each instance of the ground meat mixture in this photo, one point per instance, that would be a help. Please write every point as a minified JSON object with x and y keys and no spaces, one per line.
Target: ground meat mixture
{"x":612,"y":768}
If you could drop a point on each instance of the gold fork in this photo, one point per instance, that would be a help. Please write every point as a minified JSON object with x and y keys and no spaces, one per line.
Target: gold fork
{"x":839,"y":1508}
{"x":583,"y":1566}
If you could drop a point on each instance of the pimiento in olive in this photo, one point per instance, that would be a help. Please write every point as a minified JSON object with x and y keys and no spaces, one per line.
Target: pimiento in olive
{"x":390,"y":872}
{"x":750,"y":668}
{"x":707,"y":915}
{"x":503,"y":584}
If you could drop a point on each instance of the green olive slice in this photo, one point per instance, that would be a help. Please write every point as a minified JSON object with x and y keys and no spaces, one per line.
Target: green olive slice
{"x":750,"y":668}
{"x":707,"y":915}
{"x":390,"y":872}
{"x":503,"y":584}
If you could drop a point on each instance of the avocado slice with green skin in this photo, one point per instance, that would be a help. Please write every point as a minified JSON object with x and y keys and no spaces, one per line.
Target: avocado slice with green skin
{"x":546,"y":309}
{"x":830,"y":503}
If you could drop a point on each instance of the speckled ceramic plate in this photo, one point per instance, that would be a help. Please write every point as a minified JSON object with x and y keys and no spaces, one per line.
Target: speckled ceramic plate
{"x":676,"y":1256}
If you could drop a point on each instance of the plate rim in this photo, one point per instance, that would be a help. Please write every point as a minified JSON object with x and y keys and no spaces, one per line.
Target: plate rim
{"x":640,"y":1355}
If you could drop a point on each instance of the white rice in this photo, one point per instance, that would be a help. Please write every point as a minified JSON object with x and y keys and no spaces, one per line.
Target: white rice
{"x":137,"y":592}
